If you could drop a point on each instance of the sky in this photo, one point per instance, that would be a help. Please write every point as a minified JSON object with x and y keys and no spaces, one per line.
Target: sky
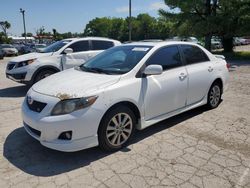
{"x":69,"y":15}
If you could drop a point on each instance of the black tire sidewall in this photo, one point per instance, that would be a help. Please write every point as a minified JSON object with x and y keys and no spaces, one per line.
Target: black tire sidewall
{"x":102,"y":139}
{"x":41,"y":73}
{"x":208,"y":97}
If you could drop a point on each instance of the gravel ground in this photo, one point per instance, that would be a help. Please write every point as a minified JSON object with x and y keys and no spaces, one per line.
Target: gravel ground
{"x":199,"y":148}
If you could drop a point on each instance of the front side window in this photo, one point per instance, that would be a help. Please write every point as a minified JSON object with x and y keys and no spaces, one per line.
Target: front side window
{"x":193,"y":54}
{"x":167,"y":57}
{"x":101,"y":45}
{"x":80,"y":46}
{"x":117,"y":60}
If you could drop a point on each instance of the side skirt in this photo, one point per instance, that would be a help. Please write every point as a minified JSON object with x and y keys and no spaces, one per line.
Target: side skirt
{"x":146,"y":123}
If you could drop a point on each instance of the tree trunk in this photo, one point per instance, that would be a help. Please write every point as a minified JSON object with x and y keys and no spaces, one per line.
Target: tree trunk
{"x":227,"y":43}
{"x":208,"y":38}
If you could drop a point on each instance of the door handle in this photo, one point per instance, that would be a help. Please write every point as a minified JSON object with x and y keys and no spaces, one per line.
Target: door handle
{"x":182,"y":76}
{"x":210,"y":69}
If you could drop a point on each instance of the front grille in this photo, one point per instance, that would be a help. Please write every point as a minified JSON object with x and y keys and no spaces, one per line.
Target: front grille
{"x":34,"y":131}
{"x":36,"y":106}
{"x":10,"y":66}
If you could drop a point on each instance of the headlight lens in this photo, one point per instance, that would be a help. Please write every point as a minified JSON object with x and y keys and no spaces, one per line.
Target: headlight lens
{"x":70,"y":105}
{"x":25,"y":63}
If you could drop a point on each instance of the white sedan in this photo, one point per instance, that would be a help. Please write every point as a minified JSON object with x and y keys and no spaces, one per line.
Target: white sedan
{"x":127,"y":87}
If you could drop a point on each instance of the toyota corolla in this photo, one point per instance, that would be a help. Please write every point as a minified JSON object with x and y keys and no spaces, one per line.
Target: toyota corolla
{"x":128,"y":87}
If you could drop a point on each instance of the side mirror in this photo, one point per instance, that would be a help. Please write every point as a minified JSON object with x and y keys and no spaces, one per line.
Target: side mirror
{"x":153,"y":70}
{"x":68,"y":51}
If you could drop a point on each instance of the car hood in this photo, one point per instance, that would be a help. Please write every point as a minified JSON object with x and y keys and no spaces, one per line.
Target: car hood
{"x":29,"y":56}
{"x":74,"y":83}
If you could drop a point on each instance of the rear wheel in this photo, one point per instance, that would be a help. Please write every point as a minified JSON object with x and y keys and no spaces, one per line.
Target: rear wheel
{"x":43,"y":74}
{"x":214,"y":96}
{"x":116,"y":128}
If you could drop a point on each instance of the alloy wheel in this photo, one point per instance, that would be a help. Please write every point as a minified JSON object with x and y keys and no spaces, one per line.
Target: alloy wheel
{"x":214,"y":97}
{"x":119,"y":129}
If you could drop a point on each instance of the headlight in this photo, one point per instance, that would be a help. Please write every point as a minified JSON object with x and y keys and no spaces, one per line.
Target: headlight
{"x":71,"y":105}
{"x":25,"y":63}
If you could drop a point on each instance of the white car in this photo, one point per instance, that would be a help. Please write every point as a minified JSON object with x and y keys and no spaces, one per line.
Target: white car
{"x":40,"y":47}
{"x":127,"y":87}
{"x":32,"y":67}
{"x":9,"y":50}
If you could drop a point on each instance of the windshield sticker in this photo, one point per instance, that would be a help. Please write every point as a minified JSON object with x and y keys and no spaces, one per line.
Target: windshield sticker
{"x":140,"y":49}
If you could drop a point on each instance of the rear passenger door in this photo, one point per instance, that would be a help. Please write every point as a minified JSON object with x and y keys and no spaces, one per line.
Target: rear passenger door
{"x":200,"y":70}
{"x":98,"y":46}
{"x":80,"y":54}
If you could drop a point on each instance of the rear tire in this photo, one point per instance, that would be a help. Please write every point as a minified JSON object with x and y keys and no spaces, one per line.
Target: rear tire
{"x":116,"y":128}
{"x":214,"y":95}
{"x":43,"y":74}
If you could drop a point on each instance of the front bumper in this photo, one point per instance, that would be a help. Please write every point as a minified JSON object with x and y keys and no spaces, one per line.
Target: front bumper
{"x":17,"y":77}
{"x":21,"y":75}
{"x":46,"y":129}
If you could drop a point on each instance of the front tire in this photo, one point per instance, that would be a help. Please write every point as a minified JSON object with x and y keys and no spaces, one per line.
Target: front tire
{"x":214,"y":95}
{"x":116,"y":128}
{"x":43,"y":74}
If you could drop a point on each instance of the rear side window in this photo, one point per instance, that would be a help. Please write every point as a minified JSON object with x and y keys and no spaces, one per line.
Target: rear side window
{"x":193,"y":54}
{"x":168,"y":57}
{"x":101,"y":45}
{"x":80,"y":46}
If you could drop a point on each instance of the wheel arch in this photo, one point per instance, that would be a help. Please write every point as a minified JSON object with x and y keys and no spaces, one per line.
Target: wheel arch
{"x":46,"y":67}
{"x":130,"y":105}
{"x":220,"y":81}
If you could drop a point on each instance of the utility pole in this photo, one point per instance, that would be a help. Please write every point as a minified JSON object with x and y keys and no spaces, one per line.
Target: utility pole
{"x":24,"y":27}
{"x":130,"y":24}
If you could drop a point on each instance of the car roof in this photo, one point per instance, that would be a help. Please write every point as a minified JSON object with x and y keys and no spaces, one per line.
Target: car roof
{"x":155,"y":44}
{"x":91,"y":38}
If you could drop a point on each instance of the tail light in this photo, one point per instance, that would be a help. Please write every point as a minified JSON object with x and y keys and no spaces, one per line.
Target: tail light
{"x":228,"y":65}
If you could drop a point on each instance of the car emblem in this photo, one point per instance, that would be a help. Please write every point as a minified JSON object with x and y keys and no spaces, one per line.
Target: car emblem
{"x":30,"y":100}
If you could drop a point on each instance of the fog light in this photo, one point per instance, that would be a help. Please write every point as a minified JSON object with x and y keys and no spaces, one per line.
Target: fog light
{"x":65,"y":135}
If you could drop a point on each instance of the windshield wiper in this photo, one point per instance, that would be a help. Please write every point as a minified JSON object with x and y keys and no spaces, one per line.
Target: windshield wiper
{"x":94,"y":69}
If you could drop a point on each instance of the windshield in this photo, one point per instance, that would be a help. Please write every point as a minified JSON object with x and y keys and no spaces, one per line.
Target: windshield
{"x":117,"y":60}
{"x":56,"y":46}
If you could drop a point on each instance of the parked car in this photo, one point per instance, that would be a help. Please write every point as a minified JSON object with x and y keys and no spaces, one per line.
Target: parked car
{"x":9,"y":50}
{"x":1,"y":53}
{"x":40,"y":47}
{"x":127,"y":87}
{"x":216,"y":43}
{"x":25,"y":49}
{"x":243,"y":41}
{"x":236,"y":41}
{"x":65,"y":54}
{"x":186,"y":39}
{"x":152,"y":40}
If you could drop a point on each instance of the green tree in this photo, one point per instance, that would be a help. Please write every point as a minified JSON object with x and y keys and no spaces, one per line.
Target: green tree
{"x":40,"y":31}
{"x":98,"y":27}
{"x":143,"y":27}
{"x":117,"y":28}
{"x":5,"y":25}
{"x":205,"y":18}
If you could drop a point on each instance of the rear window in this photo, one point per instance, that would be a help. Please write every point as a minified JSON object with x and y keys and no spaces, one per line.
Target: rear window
{"x":101,"y":45}
{"x":193,"y":54}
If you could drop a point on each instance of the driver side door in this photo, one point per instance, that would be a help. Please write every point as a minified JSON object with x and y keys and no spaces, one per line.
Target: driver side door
{"x":79,"y":56}
{"x":166,"y":92}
